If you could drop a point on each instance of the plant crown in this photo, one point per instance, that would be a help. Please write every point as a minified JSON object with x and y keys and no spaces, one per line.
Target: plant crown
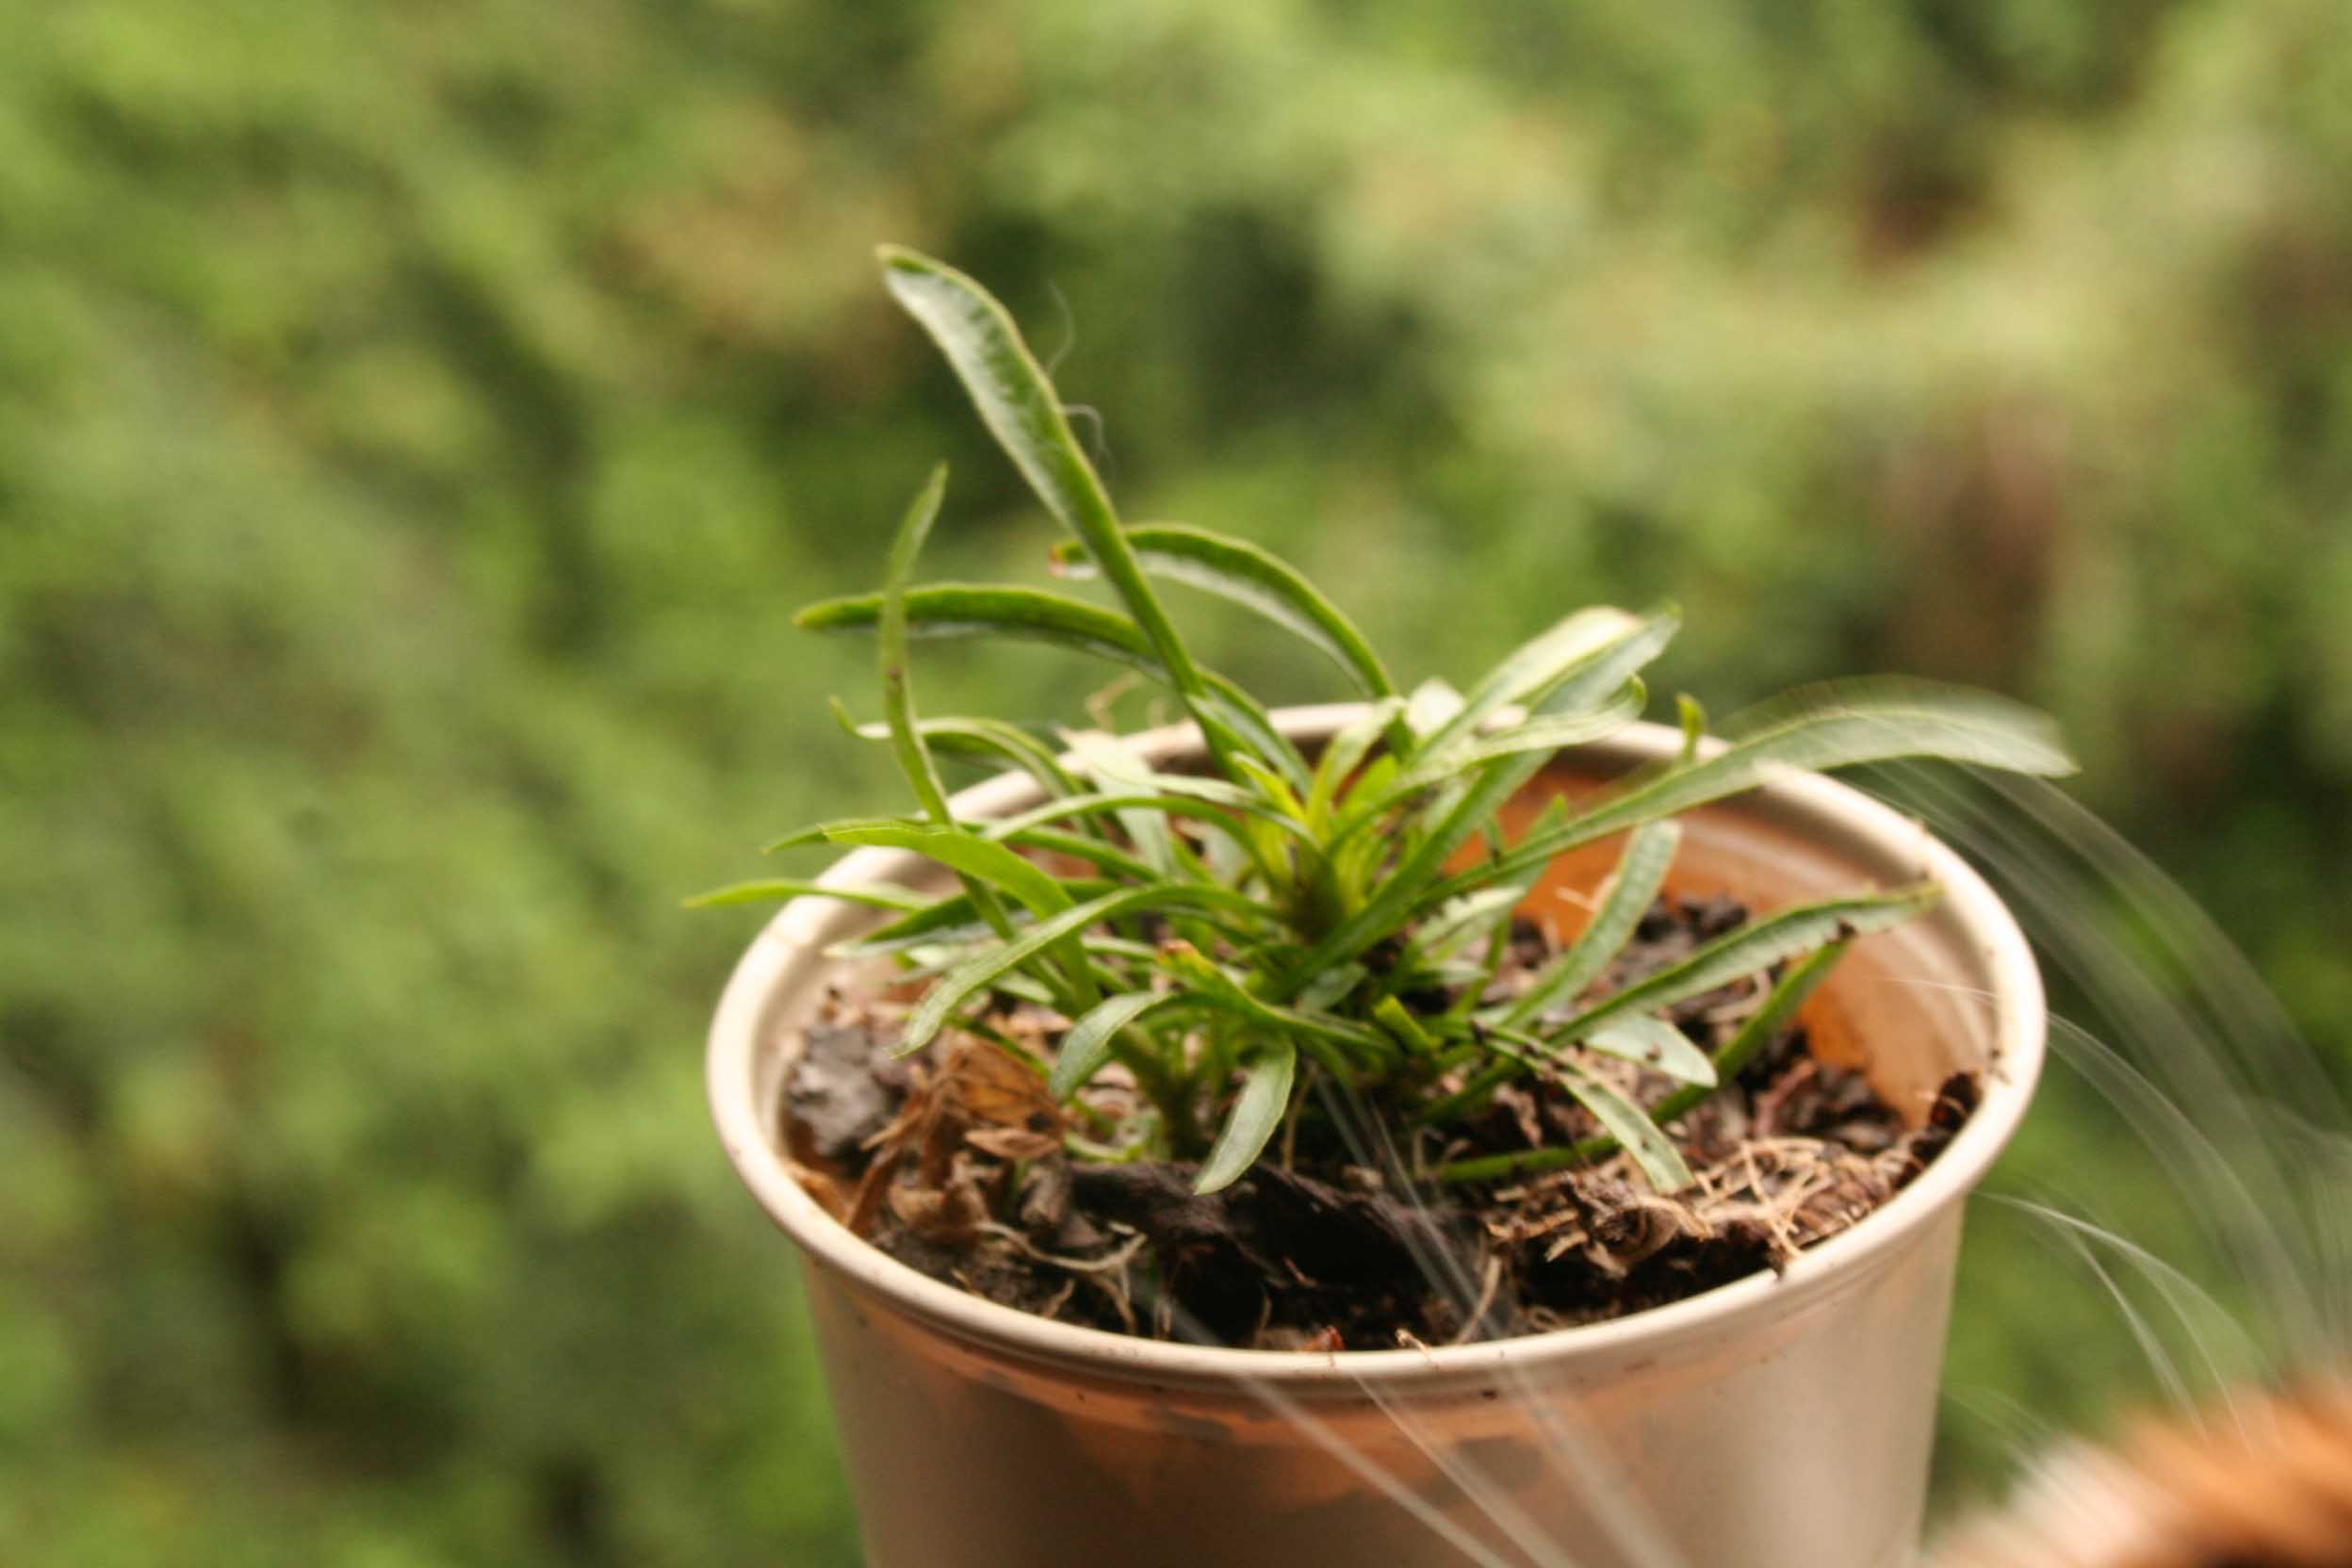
{"x":1238,"y":935}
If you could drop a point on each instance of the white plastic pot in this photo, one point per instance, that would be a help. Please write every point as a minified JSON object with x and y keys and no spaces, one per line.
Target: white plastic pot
{"x":1773,"y":1423}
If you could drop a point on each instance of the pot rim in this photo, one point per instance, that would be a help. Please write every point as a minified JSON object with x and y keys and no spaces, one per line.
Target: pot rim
{"x":738,"y":1034}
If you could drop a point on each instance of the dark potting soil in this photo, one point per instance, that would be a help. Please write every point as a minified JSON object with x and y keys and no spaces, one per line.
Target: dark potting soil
{"x":955,"y":1162}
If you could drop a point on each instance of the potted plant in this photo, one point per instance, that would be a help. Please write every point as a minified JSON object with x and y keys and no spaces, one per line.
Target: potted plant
{"x":1451,"y":1126}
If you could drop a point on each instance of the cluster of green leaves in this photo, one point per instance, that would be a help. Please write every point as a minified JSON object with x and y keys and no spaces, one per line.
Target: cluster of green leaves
{"x":1235,"y":933}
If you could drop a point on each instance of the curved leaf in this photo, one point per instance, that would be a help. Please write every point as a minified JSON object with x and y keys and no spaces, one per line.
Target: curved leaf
{"x":1017,"y":402}
{"x":1641,"y":871}
{"x":1547,"y":734}
{"x":898,"y":691}
{"x":1238,"y":570}
{"x":997,"y":609}
{"x":1203,"y":799}
{"x":1534,"y":666}
{"x":821,"y":832}
{"x":1631,"y":1126}
{"x":1257,"y":1113}
{"x":1754,"y":948}
{"x":983,"y":860}
{"x":1087,"y":1044}
{"x":1652,"y":1042}
{"x":1851,"y":723}
{"x":952,"y":990}
{"x":989,"y":738}
{"x":876,"y":895}
{"x":1345,"y":753}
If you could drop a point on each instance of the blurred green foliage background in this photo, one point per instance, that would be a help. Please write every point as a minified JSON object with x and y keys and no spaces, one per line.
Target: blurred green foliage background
{"x":416,"y":422}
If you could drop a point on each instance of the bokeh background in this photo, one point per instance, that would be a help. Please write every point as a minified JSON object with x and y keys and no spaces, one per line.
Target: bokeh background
{"x":418,"y":421}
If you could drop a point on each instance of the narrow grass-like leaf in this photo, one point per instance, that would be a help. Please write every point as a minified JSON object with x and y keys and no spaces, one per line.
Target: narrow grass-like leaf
{"x":1534,"y":666}
{"x":1089,"y":1041}
{"x":1653,"y":1042}
{"x":1431,"y":708}
{"x":817,"y":833}
{"x":1694,"y":717}
{"x":898,"y":699}
{"x":1210,"y":800}
{"x":1331,"y":987}
{"x":1833,"y":727}
{"x":1238,"y":570}
{"x":1660,"y":1162}
{"x":1493,"y":784}
{"x":1762,"y":1027}
{"x":1641,"y":871}
{"x":983,"y":860}
{"x":1257,"y":1112}
{"x":1547,"y":734}
{"x":1017,"y":402}
{"x":1753,"y":948}
{"x":952,"y":921}
{"x":1589,"y":682}
{"x":1247,"y":725}
{"x":997,"y":609}
{"x":876,"y":895}
{"x":1275,"y":789}
{"x":1454,"y":926}
{"x":1120,"y":772}
{"x":953,"y":988}
{"x":1345,"y":753}
{"x":1397,"y":1020}
{"x":1081,"y":846}
{"x":1211,"y":981}
{"x":989,"y":738}
{"x":1842,"y":725}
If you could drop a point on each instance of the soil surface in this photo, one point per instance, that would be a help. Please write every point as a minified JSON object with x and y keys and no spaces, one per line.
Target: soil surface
{"x":955,"y":1162}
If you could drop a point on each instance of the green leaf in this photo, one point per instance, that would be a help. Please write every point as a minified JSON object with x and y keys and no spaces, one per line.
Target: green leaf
{"x":1345,"y":752}
{"x":954,"y":921}
{"x":1331,"y":987}
{"x":997,"y":609}
{"x":1387,"y":909}
{"x":878,"y":895}
{"x":1017,"y":402}
{"x":1089,"y":1042}
{"x":1431,"y":708}
{"x":1081,"y":846}
{"x":983,"y":860}
{"x":1588,"y":682}
{"x":898,"y":695}
{"x":1762,"y":1027}
{"x":1187,"y":798}
{"x":1641,"y":871}
{"x":1452,"y":926}
{"x":1753,"y":948}
{"x":1693,"y":727}
{"x":952,"y":990}
{"x":1653,"y":1042}
{"x":1534,"y":667}
{"x":1212,"y":984}
{"x":986,"y":738}
{"x":1257,"y":1112}
{"x":1238,"y":570}
{"x":1546,"y":733}
{"x":1398,"y":1020}
{"x":1660,"y":1162}
{"x":1837,"y":726}
{"x":1849,"y":723}
{"x":1248,"y":725}
{"x":817,"y":833}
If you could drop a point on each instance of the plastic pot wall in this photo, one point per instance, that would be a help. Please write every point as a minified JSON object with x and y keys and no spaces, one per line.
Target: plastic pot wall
{"x":1773,"y":1423}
